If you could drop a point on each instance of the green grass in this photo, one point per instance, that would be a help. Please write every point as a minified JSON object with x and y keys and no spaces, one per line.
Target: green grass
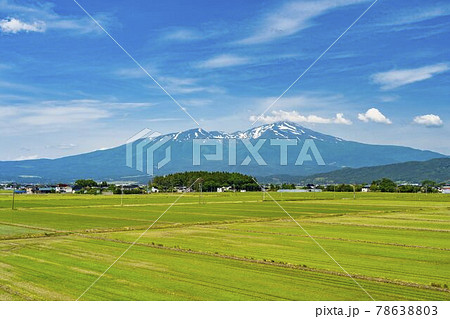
{"x":228,"y":247}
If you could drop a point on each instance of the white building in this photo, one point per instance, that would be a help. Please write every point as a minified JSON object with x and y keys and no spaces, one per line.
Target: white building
{"x":313,"y":190}
{"x":30,"y":189}
{"x":63,"y":188}
{"x":446,"y":189}
{"x":154,"y":190}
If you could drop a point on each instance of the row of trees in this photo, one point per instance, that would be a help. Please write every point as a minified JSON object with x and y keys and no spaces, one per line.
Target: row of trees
{"x":275,"y":187}
{"x":89,"y":186}
{"x":210,"y":181}
{"x":341,"y":188}
{"x":386,"y":185}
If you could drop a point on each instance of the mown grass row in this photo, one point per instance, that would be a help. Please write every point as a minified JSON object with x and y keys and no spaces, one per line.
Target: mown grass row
{"x":61,"y":269}
{"x":393,"y":237}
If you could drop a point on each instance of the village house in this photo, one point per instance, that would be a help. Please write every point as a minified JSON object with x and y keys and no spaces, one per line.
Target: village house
{"x":154,"y":190}
{"x":223,"y":189}
{"x":63,"y":188}
{"x":445,"y":189}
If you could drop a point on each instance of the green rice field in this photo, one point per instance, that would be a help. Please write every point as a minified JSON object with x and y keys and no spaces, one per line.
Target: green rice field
{"x":225,"y":246}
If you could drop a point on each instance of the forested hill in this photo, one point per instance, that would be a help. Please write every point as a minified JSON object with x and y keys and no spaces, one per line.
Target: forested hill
{"x":437,"y":170}
{"x":210,"y":181}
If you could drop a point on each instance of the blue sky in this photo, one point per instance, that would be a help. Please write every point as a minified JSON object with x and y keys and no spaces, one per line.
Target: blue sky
{"x":67,"y":88}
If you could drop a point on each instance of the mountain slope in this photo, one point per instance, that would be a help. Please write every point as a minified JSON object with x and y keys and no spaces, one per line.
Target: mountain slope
{"x":111,"y":164}
{"x":414,"y":172}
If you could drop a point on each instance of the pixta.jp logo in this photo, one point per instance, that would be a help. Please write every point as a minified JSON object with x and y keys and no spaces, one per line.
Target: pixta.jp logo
{"x":140,"y":150}
{"x":252,"y":151}
{"x":149,"y":151}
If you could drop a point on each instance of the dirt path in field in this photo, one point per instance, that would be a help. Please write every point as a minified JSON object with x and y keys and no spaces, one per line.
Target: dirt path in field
{"x":382,"y":226}
{"x":330,"y":238}
{"x":133,"y":205}
{"x":55,"y":232}
{"x":217,"y":224}
{"x":11,"y":291}
{"x":274,"y":263}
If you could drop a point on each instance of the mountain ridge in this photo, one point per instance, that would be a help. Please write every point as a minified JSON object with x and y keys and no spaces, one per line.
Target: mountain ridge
{"x":109,"y":164}
{"x":437,"y":170}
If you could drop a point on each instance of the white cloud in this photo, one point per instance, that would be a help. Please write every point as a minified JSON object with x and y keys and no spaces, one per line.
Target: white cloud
{"x":389,"y":98}
{"x":292,"y":18}
{"x":187,"y":86}
{"x":396,"y":78}
{"x":183,"y":35}
{"x":61,"y":116}
{"x":46,"y":18}
{"x":26,"y":157}
{"x":96,"y":104}
{"x":341,"y":120}
{"x":13,"y":25}
{"x":412,"y":16}
{"x":310,"y":101}
{"x":62,"y":146}
{"x":429,"y":120}
{"x":57,"y":116}
{"x":374,"y":115}
{"x":198,"y":102}
{"x":294,"y":116}
{"x":222,"y":61}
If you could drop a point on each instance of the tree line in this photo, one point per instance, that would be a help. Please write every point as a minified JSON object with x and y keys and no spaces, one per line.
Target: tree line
{"x":209,"y":181}
{"x":386,"y":185}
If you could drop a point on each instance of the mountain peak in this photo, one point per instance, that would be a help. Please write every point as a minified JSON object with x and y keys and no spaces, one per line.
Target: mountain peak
{"x":281,"y":129}
{"x":110,"y":163}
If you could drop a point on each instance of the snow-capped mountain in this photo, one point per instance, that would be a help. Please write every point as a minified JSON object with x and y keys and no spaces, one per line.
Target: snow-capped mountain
{"x":257,"y":151}
{"x":198,"y":133}
{"x":286,"y":130}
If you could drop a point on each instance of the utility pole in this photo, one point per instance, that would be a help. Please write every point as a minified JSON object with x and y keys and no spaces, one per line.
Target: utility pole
{"x":121,"y":196}
{"x":13,"y":203}
{"x":354,"y":192}
{"x":200,"y":191}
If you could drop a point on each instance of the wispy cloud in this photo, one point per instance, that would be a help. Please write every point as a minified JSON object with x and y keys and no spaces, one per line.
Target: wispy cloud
{"x":223,"y":61}
{"x":12,"y":25}
{"x":404,"y":17}
{"x":44,"y":17}
{"x":374,"y":115}
{"x":96,"y":104}
{"x":292,"y":18}
{"x":183,"y":34}
{"x":294,"y":116}
{"x":199,"y":102}
{"x":388,"y":98}
{"x":429,"y":120}
{"x":311,"y":101}
{"x":60,"y":115}
{"x":63,"y":146}
{"x":134,"y":73}
{"x":26,"y":157}
{"x":395,"y":78}
{"x":188,"y":86}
